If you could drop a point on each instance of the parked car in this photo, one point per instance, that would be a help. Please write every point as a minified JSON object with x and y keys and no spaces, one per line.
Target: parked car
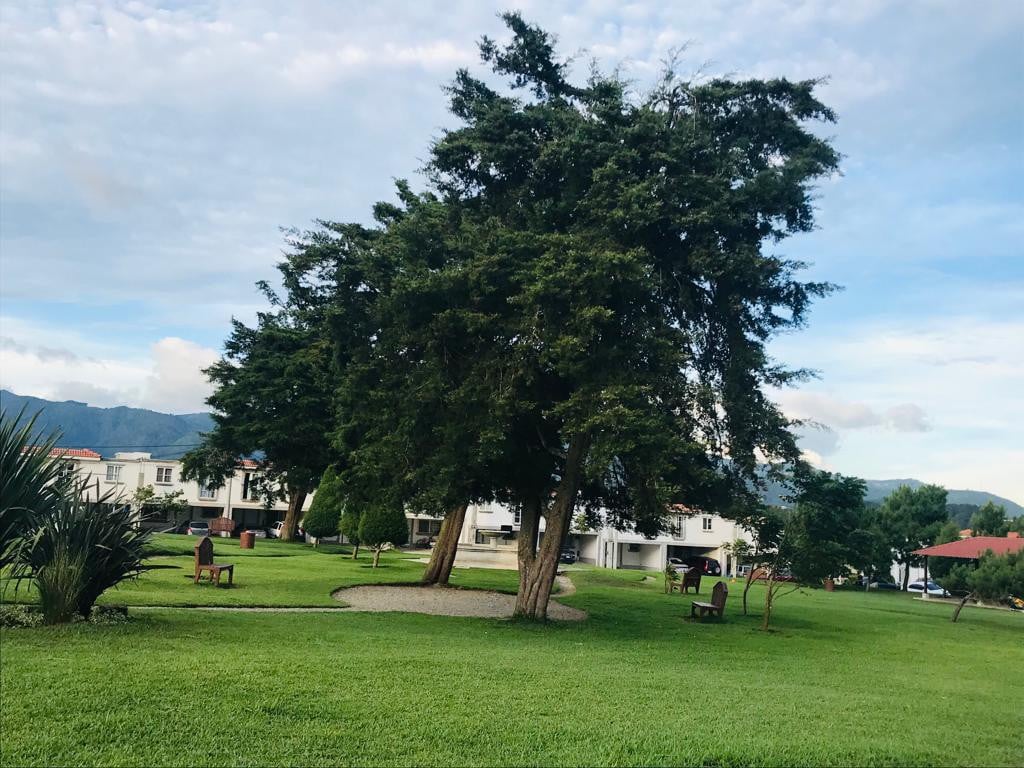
{"x":917,"y":587}
{"x":198,"y":528}
{"x":706,"y":565}
{"x":276,"y":528}
{"x":884,"y":585}
{"x":568,"y":555}
{"x":678,"y":564}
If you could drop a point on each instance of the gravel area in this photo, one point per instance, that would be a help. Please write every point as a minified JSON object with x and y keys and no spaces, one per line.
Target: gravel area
{"x":442,"y":601}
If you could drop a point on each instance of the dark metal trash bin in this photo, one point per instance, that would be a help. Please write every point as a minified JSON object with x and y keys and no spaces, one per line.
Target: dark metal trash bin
{"x":247,"y":540}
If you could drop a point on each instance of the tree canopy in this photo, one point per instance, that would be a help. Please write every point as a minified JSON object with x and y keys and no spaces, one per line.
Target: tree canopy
{"x":272,"y":400}
{"x":911,"y":519}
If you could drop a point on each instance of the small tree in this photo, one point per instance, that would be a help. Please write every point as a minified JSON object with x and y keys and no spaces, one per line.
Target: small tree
{"x":910,"y":519}
{"x":740,"y":549}
{"x":348,"y":526}
{"x":382,"y":525}
{"x":166,"y":506}
{"x":821,"y":537}
{"x":324,"y":515}
{"x":989,"y":520}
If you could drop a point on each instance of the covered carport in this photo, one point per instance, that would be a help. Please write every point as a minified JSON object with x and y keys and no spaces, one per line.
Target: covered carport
{"x":971,"y":548}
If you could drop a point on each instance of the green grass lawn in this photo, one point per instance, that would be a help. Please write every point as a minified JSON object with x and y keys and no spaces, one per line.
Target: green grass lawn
{"x":846,"y":679}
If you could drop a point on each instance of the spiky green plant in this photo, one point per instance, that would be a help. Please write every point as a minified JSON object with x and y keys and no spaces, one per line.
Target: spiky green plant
{"x":87,"y":543}
{"x":30,"y":480}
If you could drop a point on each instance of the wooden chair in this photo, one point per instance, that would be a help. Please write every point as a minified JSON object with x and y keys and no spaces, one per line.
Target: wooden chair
{"x":204,"y":562}
{"x":717,"y":605}
{"x":691,"y":579}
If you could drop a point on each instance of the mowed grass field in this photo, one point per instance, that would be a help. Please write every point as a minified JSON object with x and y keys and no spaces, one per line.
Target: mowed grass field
{"x":845,"y":679}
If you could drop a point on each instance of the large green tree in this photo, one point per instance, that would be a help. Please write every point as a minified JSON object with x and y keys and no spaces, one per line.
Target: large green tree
{"x":989,"y":520}
{"x":911,"y":519}
{"x":619,"y":257}
{"x":272,"y":401}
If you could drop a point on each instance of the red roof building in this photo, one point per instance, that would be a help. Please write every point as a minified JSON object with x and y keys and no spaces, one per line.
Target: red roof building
{"x":69,"y":453}
{"x":974,"y":547}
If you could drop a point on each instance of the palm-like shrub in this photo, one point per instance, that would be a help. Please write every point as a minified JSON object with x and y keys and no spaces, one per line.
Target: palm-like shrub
{"x":86,"y":544}
{"x":30,"y":480}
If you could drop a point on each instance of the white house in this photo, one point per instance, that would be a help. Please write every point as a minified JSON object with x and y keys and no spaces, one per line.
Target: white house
{"x":126,"y":472}
{"x":489,"y":534}
{"x":494,"y":528}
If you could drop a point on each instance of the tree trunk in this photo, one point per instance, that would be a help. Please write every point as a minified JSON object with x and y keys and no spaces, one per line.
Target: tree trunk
{"x":746,"y":587}
{"x":296,"y":498}
{"x":376,"y":556}
{"x":442,"y":558}
{"x":956,"y":613}
{"x":538,"y":566}
{"x":906,"y":574}
{"x":355,"y":551}
{"x":768,"y":597}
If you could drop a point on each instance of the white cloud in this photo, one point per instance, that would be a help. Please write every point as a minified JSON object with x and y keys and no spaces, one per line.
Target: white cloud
{"x":166,"y":377}
{"x":835,"y":412}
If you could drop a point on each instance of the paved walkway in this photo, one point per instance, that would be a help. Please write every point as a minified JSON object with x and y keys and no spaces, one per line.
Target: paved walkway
{"x":438,"y":601}
{"x":447,"y":601}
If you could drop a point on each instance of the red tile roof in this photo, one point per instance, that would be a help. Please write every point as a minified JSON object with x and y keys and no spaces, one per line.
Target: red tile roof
{"x":974,"y":547}
{"x":70,"y":453}
{"x":75,"y":453}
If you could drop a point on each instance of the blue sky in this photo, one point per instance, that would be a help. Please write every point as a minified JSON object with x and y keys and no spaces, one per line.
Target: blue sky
{"x":149,"y":154}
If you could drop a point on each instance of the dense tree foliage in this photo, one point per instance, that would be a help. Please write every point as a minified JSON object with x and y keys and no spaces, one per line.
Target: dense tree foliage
{"x":911,"y":519}
{"x":272,"y":401}
{"x":324,"y":515}
{"x":822,"y":537}
{"x":383,"y":525}
{"x":993,"y":578}
{"x":605,"y":290}
{"x":575,"y":315}
{"x":989,"y":520}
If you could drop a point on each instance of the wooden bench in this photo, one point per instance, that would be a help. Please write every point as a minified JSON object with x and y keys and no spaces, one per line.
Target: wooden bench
{"x":717,"y":605}
{"x":204,"y":562}
{"x":691,"y":580}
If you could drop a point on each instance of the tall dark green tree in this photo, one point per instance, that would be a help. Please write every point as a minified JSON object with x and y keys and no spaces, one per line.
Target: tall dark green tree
{"x":619,"y":259}
{"x":911,"y":519}
{"x":324,"y":515}
{"x":272,"y":402}
{"x":989,"y":520}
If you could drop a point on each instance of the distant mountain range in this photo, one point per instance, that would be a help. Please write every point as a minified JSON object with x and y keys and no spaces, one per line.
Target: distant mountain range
{"x":168,"y":436}
{"x":107,"y":430}
{"x":879,"y":489}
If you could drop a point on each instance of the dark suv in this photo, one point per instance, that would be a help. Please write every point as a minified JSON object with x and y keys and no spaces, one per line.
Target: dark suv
{"x":706,"y":565}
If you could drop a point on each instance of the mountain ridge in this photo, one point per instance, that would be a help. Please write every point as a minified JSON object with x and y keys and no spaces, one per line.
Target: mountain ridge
{"x":168,"y":436}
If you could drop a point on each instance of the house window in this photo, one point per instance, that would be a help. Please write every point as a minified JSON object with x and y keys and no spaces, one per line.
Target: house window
{"x":428,"y":527}
{"x":206,"y":492}
{"x":163,"y":475}
{"x":250,"y":487}
{"x":633,"y":547}
{"x":706,"y":524}
{"x":517,"y":516}
{"x":114,"y":473}
{"x":67,"y":470}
